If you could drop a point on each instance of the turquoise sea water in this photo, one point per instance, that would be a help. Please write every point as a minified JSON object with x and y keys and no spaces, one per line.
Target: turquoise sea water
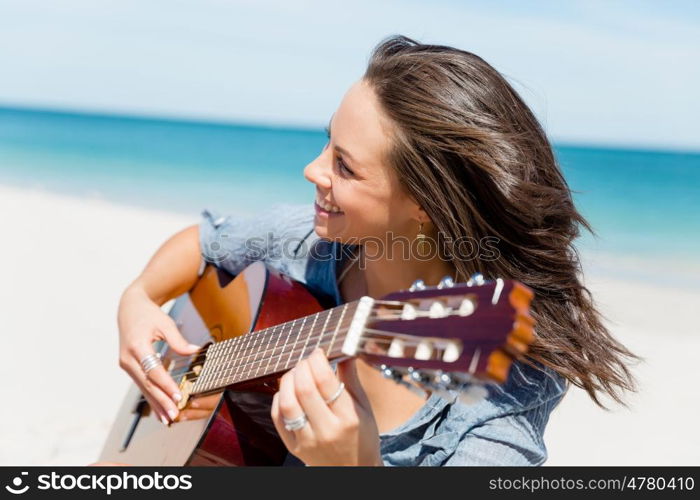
{"x":641,"y":203}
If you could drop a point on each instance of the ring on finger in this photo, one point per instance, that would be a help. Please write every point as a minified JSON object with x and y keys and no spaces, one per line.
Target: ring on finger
{"x":150,"y":361}
{"x":336,"y":394}
{"x":295,"y":424}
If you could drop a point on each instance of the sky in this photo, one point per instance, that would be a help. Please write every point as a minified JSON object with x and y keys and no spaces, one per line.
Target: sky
{"x":623,"y":73}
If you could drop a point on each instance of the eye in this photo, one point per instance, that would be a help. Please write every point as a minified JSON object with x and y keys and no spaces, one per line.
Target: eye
{"x":343,"y":167}
{"x":339,"y":161}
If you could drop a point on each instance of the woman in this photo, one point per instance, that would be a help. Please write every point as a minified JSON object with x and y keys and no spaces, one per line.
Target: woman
{"x":430,"y":145}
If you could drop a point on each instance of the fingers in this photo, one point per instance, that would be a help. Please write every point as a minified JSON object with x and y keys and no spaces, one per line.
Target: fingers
{"x":162,"y":379}
{"x":306,"y":390}
{"x":347,"y":372}
{"x":175,"y":339}
{"x":158,"y":409}
{"x":288,"y":437}
{"x":154,"y":392}
{"x":290,"y":408}
{"x":328,"y":384}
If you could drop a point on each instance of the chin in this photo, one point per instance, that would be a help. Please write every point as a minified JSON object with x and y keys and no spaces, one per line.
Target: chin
{"x":323,"y":232}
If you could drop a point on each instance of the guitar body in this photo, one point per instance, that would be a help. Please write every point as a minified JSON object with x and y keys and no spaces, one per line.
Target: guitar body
{"x":229,"y":427}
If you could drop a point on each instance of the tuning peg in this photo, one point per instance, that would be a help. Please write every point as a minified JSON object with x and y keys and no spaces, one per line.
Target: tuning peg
{"x":466,"y":308}
{"x":446,"y":282}
{"x":396,"y":349}
{"x":424,"y":350}
{"x":476,"y":279}
{"x":444,"y":379}
{"x":396,"y":375}
{"x":451,"y":352}
{"x":420,"y":376}
{"x":409,"y":311}
{"x":390,"y":373}
{"x":438,"y":310}
{"x":417,"y":285}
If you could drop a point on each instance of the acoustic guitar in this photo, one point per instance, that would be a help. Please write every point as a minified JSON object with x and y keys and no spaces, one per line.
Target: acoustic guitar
{"x":452,"y":339}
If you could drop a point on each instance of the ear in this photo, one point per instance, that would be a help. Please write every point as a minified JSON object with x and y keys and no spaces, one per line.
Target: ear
{"x":420,"y":215}
{"x":416,"y":211}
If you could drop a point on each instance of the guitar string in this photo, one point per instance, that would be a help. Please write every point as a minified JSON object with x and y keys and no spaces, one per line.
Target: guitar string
{"x":249,"y":349}
{"x":385,"y":315}
{"x":246,"y":339}
{"x":230,"y":364}
{"x":246,"y":368}
{"x":235,"y":362}
{"x":241,"y":338}
{"x":301,"y":351}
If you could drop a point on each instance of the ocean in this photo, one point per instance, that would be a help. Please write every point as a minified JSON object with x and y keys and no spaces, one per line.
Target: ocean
{"x":642,"y":204}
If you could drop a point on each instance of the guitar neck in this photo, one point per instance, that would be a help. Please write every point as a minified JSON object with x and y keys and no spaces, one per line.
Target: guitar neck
{"x":273,"y":350}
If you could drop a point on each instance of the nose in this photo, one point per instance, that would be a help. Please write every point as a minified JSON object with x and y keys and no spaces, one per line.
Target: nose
{"x":319,"y":172}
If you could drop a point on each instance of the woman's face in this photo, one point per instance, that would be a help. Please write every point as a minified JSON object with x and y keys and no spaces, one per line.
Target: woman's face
{"x":353,"y":179}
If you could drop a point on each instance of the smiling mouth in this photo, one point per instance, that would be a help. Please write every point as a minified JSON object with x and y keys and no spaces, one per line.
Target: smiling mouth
{"x":326,"y":208}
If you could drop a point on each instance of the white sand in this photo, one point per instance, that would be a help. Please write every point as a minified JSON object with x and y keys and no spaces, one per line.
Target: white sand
{"x":65,"y":261}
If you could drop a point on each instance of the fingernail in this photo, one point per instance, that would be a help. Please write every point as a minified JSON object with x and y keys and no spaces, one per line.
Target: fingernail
{"x":172,"y":414}
{"x":164,"y":420}
{"x":193,"y":346}
{"x":177,"y":397}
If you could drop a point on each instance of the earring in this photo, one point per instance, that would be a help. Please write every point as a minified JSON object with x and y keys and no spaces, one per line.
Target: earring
{"x":421,"y":238}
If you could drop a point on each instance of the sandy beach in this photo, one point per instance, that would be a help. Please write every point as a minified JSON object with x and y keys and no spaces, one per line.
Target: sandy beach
{"x":65,"y":261}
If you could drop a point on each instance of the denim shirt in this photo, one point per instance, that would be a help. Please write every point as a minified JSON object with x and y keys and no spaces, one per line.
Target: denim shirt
{"x":505,"y":428}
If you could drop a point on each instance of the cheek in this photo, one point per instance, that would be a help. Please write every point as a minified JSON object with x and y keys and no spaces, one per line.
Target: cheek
{"x":368,"y":209}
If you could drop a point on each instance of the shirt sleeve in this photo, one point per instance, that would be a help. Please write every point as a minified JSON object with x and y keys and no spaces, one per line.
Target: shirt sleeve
{"x":504,"y":429}
{"x":504,"y":441}
{"x":278,"y":236}
{"x":512,"y":431}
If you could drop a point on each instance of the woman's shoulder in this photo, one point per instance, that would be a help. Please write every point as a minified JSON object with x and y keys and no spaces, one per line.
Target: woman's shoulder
{"x":278,"y":235}
{"x":504,"y":428}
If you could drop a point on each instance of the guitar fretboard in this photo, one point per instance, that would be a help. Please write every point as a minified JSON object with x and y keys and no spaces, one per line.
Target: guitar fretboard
{"x":275,"y":349}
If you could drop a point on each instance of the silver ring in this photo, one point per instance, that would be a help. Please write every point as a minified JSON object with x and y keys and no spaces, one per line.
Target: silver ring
{"x":336,"y":394}
{"x":295,"y":424}
{"x":150,"y":361}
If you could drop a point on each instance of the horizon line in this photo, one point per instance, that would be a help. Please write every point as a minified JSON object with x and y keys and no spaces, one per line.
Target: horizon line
{"x":306,"y":127}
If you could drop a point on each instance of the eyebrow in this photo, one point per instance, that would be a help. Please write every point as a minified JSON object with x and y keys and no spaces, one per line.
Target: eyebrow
{"x":338,"y":148}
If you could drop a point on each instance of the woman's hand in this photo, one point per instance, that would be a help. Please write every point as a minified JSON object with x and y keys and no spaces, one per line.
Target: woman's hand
{"x":343,"y":432}
{"x":142,"y":322}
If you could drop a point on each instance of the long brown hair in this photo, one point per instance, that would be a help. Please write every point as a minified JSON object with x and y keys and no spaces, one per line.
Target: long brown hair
{"x":475,"y":158}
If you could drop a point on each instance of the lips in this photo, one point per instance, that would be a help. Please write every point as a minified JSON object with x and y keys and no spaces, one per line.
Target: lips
{"x":325,"y":213}
{"x":327,"y":207}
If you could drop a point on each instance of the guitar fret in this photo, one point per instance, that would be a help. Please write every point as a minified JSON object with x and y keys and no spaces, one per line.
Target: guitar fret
{"x":203,"y":378}
{"x":335,"y":333}
{"x":306,"y":342}
{"x":222,"y":361}
{"x":259,"y":335}
{"x":291,"y":351}
{"x":236,"y":344}
{"x":272,"y":354}
{"x":323,"y":328}
{"x":291,"y":325}
{"x":238,"y":366}
{"x":244,"y":358}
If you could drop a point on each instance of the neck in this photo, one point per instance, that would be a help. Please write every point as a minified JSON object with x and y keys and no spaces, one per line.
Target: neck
{"x":385,"y":275}
{"x":273,"y":350}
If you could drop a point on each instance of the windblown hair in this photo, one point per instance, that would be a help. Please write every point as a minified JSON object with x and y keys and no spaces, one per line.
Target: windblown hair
{"x":471,"y":153}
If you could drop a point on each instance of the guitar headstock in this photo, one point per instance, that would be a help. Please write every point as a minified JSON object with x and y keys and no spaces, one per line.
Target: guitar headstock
{"x":451,"y":337}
